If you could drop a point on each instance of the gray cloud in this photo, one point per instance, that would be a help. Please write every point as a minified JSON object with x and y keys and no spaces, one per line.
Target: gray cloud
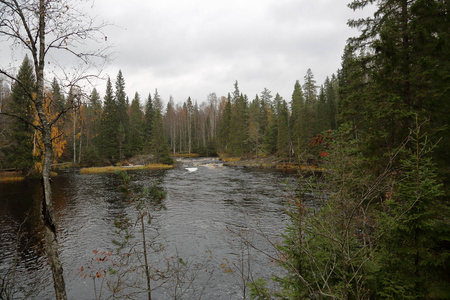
{"x":193,"y":48}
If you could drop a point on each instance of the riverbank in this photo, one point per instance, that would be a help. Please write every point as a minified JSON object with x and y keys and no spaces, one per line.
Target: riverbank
{"x":266,"y":162}
{"x":11,"y":176}
{"x":112,"y":169}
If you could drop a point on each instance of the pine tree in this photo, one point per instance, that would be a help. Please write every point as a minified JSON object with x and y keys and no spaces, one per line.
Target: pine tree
{"x":21,"y":154}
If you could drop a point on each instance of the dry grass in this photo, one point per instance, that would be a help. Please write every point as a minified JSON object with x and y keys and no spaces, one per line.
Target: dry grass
{"x":230,"y":159}
{"x":185,"y":155}
{"x":112,"y":169}
{"x":11,"y":178}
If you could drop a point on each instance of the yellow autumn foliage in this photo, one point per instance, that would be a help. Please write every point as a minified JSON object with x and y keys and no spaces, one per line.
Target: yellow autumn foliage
{"x":58,"y":142}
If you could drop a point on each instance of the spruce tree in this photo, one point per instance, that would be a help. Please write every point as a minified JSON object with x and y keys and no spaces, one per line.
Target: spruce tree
{"x":21,"y":154}
{"x":124,"y":121}
{"x":93,"y":118}
{"x":297,"y":117}
{"x":108,"y":139}
{"x":254,"y":130}
{"x":58,"y":101}
{"x":136,"y":141}
{"x":224,"y":127}
{"x":331,"y":92}
{"x":310,"y":95}
{"x":158,"y":144}
{"x":283,"y":137}
{"x":412,"y":257}
{"x":266,"y":110}
{"x":148,"y":123}
{"x":321,"y":122}
{"x":398,"y":67}
{"x":239,"y":126}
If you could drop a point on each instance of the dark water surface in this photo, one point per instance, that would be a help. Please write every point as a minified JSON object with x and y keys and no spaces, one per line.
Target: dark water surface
{"x":206,"y":211}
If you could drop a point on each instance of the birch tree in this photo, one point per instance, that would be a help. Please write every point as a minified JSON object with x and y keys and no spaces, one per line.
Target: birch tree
{"x":41,"y":27}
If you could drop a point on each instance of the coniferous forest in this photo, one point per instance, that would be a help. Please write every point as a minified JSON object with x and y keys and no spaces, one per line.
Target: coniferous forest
{"x":378,"y":127}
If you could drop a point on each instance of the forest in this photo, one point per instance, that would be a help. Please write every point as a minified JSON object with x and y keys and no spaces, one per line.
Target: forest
{"x":379,"y":127}
{"x":113,"y":130}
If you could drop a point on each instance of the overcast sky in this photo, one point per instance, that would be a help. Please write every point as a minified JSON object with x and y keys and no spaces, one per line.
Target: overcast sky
{"x":193,"y":48}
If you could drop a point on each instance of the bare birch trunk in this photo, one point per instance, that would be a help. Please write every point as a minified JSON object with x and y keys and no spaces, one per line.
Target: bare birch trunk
{"x":74,"y":136}
{"x":51,"y":243}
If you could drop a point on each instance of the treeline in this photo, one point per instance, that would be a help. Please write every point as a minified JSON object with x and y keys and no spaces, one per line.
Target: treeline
{"x":114,"y":129}
{"x":94,"y":132}
{"x":265,"y":125}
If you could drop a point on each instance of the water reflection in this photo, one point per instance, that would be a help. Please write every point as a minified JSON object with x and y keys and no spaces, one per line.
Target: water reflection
{"x":206,"y":209}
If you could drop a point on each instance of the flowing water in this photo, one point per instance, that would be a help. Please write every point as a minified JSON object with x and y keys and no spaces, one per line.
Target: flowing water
{"x":210,"y":211}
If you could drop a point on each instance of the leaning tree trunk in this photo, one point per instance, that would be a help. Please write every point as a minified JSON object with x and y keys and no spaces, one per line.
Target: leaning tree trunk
{"x":51,"y":243}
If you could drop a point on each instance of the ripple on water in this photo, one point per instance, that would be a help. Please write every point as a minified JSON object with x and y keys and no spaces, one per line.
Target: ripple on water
{"x":206,"y":212}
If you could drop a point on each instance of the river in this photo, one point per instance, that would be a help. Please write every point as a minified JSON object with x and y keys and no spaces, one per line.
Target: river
{"x":210,"y":210}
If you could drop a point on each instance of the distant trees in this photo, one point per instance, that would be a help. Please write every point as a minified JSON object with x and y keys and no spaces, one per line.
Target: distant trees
{"x":113,"y":130}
